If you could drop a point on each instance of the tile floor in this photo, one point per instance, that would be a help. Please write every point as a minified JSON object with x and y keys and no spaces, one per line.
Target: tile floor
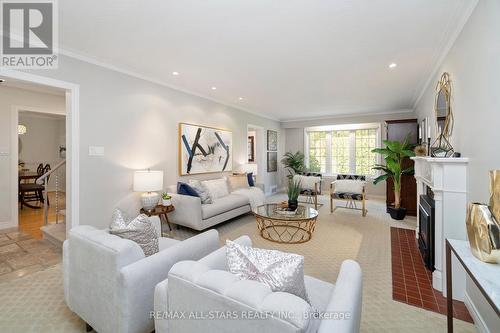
{"x":21,"y":254}
{"x":412,"y":282}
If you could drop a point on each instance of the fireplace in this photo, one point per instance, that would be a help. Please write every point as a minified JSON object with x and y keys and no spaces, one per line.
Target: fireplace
{"x":426,"y":229}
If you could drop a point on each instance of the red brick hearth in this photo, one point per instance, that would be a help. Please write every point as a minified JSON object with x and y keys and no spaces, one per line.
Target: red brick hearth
{"x":412,"y":282}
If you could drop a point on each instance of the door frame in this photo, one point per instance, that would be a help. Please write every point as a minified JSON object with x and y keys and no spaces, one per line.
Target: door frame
{"x":260,"y":147}
{"x":72,"y":96}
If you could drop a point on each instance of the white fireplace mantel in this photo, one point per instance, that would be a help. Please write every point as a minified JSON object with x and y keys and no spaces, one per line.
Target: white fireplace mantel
{"x":447,"y":178}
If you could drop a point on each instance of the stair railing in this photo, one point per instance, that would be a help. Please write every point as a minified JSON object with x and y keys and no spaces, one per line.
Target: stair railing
{"x":44,"y":180}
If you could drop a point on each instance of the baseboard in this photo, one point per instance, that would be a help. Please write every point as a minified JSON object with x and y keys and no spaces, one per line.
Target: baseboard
{"x":7,"y":224}
{"x":478,"y":320}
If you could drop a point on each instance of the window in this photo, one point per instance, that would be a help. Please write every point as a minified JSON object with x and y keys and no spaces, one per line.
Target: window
{"x":317,"y":151}
{"x":342,"y":149}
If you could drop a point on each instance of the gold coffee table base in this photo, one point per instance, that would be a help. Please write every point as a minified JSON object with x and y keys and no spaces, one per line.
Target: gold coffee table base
{"x":286,"y":232}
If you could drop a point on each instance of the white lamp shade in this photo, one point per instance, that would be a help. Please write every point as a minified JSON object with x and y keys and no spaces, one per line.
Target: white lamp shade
{"x":248,"y":167}
{"x":252,"y":167}
{"x":148,"y":181}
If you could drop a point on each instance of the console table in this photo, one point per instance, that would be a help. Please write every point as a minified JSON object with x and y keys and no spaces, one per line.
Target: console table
{"x":484,"y":275}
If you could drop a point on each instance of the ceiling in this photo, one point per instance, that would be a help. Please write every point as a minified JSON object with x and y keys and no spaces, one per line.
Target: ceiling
{"x":288,"y":59}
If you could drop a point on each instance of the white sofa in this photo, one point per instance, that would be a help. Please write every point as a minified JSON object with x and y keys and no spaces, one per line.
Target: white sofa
{"x":189,"y":211}
{"x":205,"y":289}
{"x":109,"y":283}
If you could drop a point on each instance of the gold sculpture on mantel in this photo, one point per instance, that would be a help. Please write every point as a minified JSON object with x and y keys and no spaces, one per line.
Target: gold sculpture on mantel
{"x":483,"y":227}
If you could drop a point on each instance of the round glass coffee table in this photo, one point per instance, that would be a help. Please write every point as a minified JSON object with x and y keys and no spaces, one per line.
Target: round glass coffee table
{"x":281,"y":226}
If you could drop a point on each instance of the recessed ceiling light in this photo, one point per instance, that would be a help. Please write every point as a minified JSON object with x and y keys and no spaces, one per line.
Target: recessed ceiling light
{"x":214,"y":88}
{"x":175,"y":73}
{"x":393,"y":65}
{"x":241,"y":98}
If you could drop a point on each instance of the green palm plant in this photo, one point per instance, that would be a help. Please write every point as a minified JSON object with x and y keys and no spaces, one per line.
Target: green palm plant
{"x":294,"y":162}
{"x":394,"y":153}
{"x":293,"y":190}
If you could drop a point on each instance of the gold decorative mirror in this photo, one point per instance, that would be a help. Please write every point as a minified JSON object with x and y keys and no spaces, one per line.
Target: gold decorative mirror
{"x":444,"y":118}
{"x":444,"y":114}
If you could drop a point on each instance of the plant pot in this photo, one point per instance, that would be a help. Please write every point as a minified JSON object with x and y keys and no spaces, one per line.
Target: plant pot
{"x":397,"y":213}
{"x":167,"y":202}
{"x":293,"y":204}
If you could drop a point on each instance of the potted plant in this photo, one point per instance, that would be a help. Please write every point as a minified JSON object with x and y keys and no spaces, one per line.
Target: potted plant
{"x":394,"y":153}
{"x":294,"y":162}
{"x":293,"y":194}
{"x":166,"y":199}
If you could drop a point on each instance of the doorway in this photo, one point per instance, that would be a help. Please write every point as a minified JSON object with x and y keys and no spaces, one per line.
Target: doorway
{"x":41,"y":169}
{"x":68,"y":184}
{"x":256,"y":152}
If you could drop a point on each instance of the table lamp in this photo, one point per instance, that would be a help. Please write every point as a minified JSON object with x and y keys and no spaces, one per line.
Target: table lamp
{"x":249,"y":168}
{"x":148,"y":181}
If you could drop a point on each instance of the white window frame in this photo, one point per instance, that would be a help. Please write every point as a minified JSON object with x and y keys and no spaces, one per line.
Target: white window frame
{"x":352,"y":143}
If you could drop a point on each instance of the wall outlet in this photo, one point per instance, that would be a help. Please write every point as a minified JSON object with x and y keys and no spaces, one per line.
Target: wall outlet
{"x":96,"y":151}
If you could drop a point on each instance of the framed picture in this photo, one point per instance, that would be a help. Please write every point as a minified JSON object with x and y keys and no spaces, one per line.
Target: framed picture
{"x":272,"y":161}
{"x":204,"y":149}
{"x":272,"y":140}
{"x":251,"y":149}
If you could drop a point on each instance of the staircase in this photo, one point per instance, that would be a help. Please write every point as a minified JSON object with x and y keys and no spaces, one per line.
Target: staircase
{"x":53,"y":231}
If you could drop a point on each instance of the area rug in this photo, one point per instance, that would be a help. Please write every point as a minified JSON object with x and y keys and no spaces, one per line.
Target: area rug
{"x":35,"y":303}
{"x":412,"y":282}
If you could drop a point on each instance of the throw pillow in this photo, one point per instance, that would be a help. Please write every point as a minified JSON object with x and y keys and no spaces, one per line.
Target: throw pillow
{"x":140,"y":230}
{"x":280,"y":271}
{"x":349,"y":186}
{"x":185,"y":189}
{"x":217,"y":188}
{"x":237,"y":181}
{"x":201,"y":191}
{"x":250,"y":179}
{"x":307,"y":182}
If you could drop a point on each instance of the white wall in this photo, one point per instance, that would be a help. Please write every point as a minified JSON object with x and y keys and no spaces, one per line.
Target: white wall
{"x":294,"y":133}
{"x":41,"y":143}
{"x":10,"y":97}
{"x":473,"y":63}
{"x":136,"y":122}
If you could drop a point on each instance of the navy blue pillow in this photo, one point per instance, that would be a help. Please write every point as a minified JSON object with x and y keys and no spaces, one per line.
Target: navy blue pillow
{"x":185,"y":189}
{"x":250,"y":179}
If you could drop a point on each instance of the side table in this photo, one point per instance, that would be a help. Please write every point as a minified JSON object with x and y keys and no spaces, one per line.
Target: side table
{"x":160,"y":211}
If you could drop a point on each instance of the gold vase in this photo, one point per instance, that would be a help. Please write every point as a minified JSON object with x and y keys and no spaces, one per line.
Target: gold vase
{"x":495,"y":194}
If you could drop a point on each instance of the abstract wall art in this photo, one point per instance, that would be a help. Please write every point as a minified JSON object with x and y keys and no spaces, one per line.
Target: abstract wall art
{"x":272,"y":140}
{"x":272,"y":161}
{"x":204,"y":149}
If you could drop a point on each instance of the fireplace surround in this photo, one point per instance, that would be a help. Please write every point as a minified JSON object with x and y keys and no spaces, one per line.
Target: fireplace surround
{"x":446,"y":180}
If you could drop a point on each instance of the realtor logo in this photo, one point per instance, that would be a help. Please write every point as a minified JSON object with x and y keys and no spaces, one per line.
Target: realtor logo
{"x":29,"y":34}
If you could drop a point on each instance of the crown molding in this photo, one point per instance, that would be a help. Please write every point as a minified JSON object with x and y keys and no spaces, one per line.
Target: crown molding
{"x":449,"y":40}
{"x":348,"y":115}
{"x":97,"y":62}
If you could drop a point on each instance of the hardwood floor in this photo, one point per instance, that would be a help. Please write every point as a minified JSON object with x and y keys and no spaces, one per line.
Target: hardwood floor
{"x":30,"y":220}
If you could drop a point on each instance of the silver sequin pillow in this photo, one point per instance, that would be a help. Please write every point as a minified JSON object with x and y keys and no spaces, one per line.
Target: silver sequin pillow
{"x":201,"y":190}
{"x":140,"y":230}
{"x":280,"y":271}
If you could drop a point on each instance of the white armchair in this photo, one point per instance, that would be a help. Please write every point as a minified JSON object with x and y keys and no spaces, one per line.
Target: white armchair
{"x":206,"y":289}
{"x":109,"y":283}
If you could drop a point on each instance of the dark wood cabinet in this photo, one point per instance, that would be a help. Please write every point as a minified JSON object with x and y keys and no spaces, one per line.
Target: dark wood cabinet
{"x":399,"y":130}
